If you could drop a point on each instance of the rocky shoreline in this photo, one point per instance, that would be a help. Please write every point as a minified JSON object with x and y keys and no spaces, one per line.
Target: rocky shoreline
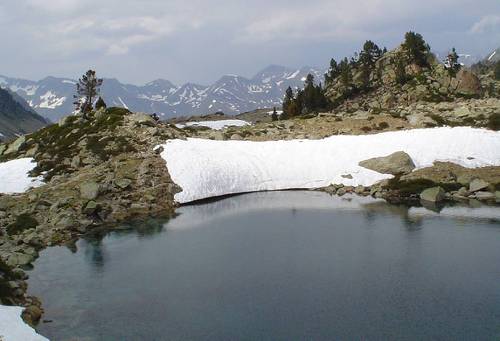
{"x":105,"y":170}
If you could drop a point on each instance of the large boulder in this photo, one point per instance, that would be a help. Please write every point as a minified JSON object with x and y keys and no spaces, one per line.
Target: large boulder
{"x":397,"y":163}
{"x":433,"y":194}
{"x":468,"y":83}
{"x":477,"y":185}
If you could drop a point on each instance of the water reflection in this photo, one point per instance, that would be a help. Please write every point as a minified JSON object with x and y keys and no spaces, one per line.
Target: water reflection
{"x":277,"y":266}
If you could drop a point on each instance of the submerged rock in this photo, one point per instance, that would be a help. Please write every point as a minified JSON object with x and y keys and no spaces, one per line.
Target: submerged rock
{"x":395,"y":164}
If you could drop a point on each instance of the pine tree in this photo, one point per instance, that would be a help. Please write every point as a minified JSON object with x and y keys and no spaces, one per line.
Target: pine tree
{"x":345,"y":73}
{"x":287,"y":103}
{"x":497,"y":71}
{"x":370,"y":53}
{"x":400,"y":68}
{"x":452,"y":62}
{"x":309,"y":94}
{"x":333,"y":72}
{"x":416,"y":48}
{"x":87,"y":89}
{"x":100,"y":104}
{"x":274,"y":115}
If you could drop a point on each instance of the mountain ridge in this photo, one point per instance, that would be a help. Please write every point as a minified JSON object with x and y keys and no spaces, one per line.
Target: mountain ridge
{"x":52,"y":97}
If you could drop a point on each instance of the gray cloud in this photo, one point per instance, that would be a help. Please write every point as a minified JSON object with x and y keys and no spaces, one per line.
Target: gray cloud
{"x":200,"y":40}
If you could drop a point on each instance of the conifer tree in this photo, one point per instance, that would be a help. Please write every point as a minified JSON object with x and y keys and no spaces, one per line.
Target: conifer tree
{"x":345,"y":73}
{"x":274,"y":115}
{"x":100,"y":104}
{"x":497,"y":71}
{"x":87,"y":89}
{"x":452,"y":62}
{"x":333,"y":72}
{"x":287,"y":103}
{"x":416,"y":48}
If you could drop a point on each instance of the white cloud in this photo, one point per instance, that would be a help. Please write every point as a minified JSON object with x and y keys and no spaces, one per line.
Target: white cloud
{"x":486,"y":23}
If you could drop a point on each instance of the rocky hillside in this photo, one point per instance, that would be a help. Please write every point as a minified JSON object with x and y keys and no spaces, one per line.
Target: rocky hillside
{"x":16,"y":117}
{"x":53,"y":97}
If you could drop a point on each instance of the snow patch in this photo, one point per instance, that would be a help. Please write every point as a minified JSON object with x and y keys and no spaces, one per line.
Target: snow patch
{"x":13,"y":328}
{"x":123,"y":103}
{"x":216,"y":125}
{"x":207,"y":168}
{"x":50,"y":101}
{"x":15,"y":178}
{"x":293,"y":75}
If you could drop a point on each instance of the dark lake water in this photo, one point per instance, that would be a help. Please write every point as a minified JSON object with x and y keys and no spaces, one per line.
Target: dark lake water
{"x":280,"y":266}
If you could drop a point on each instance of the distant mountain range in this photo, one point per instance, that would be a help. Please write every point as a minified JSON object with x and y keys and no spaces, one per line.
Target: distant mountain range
{"x":53,"y":97}
{"x":16,"y":116}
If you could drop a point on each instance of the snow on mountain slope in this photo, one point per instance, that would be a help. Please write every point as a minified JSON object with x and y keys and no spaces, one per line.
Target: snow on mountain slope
{"x":207,"y":168}
{"x":53,"y":97}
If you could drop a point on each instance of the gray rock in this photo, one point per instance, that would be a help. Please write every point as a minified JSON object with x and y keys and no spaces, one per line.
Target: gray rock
{"x":346,"y":176}
{"x":482,"y":195}
{"x":341,"y":191}
{"x":236,"y":137}
{"x":16,"y":145}
{"x":142,"y":119}
{"x":477,"y":185}
{"x":433,"y":194}
{"x":89,"y":190}
{"x":396,"y":163}
{"x":123,"y":183}
{"x":2,"y":148}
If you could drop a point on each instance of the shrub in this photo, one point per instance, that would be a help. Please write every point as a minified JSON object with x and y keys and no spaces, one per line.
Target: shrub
{"x":383,"y":125}
{"x":23,"y":222}
{"x":494,"y":122}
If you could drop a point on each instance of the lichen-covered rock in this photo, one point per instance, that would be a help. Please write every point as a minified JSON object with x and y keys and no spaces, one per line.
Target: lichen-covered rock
{"x":395,"y":163}
{"x":89,"y":190}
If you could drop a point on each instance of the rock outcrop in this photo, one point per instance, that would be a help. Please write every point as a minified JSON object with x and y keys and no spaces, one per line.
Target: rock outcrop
{"x":396,"y":164}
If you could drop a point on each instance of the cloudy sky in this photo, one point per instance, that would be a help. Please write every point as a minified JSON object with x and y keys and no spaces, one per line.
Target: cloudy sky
{"x":199,"y":40}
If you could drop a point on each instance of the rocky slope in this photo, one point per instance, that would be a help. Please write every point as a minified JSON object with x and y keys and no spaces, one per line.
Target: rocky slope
{"x":98,"y":172}
{"x":53,"y":97}
{"x":16,"y":118}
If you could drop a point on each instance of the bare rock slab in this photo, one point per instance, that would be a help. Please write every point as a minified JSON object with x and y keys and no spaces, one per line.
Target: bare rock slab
{"x":396,"y":163}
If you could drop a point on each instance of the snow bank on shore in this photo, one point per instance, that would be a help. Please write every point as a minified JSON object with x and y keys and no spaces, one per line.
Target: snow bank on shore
{"x":14,"y":176}
{"x":216,"y":125}
{"x":13,"y":328}
{"x":206,"y":168}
